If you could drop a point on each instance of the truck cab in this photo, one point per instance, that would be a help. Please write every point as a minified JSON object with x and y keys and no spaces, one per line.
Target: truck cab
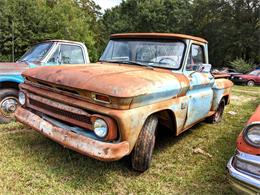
{"x":112,"y":108}
{"x":47,"y":53}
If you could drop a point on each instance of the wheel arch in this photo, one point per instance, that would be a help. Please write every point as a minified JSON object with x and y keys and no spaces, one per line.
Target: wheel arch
{"x":226,"y":99}
{"x":167,"y":118}
{"x":10,"y":82}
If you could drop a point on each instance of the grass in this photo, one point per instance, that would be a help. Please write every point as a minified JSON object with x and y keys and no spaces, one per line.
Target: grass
{"x":32,"y":164}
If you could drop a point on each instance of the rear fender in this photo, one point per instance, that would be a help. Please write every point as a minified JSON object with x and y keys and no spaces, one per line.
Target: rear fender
{"x":221,"y":88}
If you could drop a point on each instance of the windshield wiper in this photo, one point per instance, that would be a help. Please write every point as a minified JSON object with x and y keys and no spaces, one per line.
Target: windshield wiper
{"x":127,"y":62}
{"x":22,"y":61}
{"x":138,"y":64}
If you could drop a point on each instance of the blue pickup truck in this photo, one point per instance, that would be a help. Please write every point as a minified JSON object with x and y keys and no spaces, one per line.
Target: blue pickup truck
{"x":47,"y":53}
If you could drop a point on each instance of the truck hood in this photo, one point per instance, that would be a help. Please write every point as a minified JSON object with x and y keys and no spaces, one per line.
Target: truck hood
{"x":12,"y":68}
{"x":113,"y":79}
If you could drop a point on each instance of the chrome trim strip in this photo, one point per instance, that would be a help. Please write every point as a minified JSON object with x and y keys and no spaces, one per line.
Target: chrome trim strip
{"x":251,"y":181}
{"x":251,"y":159}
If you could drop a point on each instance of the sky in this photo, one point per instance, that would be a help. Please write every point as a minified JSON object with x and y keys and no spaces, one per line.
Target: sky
{"x":106,"y":4}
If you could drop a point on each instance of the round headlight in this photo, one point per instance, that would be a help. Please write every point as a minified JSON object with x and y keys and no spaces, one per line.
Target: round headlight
{"x":100,"y":128}
{"x":22,"y":98}
{"x":252,"y":134}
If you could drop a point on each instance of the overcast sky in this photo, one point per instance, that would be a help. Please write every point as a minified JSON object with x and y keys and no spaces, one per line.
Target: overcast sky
{"x":106,"y":4}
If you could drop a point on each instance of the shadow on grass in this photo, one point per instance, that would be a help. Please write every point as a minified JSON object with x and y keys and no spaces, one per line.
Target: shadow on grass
{"x":75,"y":169}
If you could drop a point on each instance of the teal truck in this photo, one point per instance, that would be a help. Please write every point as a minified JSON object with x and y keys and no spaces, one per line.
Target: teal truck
{"x":47,"y":53}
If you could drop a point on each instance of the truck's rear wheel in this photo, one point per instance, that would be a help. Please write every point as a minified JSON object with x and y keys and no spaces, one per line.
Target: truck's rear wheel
{"x":216,"y":118}
{"x":142,"y":152}
{"x":8,"y":104}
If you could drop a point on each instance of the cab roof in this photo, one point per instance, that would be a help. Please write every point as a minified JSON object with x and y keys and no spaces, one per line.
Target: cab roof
{"x":158,"y":35}
{"x":60,"y":40}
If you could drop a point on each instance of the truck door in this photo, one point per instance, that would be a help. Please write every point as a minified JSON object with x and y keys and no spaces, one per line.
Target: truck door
{"x":200,"y":93}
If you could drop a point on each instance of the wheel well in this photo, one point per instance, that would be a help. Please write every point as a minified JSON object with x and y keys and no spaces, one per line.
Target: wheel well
{"x":168,"y":119}
{"x":11,"y":85}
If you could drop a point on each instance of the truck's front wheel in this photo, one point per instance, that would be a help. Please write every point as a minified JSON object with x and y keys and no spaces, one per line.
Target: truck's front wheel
{"x":142,"y":152}
{"x":8,"y":104}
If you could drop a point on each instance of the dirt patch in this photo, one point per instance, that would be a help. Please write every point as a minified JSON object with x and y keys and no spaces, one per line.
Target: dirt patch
{"x":241,"y":99}
{"x":245,"y":91}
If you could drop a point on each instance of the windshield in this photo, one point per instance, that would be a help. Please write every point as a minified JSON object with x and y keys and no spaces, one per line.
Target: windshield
{"x":254,"y":72}
{"x":37,"y":52}
{"x":164,"y":54}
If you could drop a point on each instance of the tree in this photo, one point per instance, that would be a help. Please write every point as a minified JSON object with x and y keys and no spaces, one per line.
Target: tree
{"x":232,"y":27}
{"x":38,"y":20}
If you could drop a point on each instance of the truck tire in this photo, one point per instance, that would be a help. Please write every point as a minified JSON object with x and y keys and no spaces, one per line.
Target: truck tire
{"x":142,"y":152}
{"x":8,"y":104}
{"x":216,"y":118}
{"x":250,"y":83}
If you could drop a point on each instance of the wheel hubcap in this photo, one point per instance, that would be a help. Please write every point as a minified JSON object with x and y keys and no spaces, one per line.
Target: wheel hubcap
{"x":8,"y":106}
{"x":250,"y":83}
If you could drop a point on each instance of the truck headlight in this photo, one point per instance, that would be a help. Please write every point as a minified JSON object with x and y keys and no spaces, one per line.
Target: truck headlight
{"x":100,"y":128}
{"x":22,"y":98}
{"x":252,"y":134}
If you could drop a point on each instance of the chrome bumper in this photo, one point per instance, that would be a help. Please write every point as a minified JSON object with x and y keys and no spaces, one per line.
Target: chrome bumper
{"x":241,"y":180}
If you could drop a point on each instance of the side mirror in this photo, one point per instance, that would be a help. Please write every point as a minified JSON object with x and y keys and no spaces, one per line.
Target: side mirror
{"x":205,"y":68}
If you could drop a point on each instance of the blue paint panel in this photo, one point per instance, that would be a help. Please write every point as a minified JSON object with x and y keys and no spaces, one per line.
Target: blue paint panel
{"x":12,"y":78}
{"x":200,"y":97}
{"x":199,"y":104}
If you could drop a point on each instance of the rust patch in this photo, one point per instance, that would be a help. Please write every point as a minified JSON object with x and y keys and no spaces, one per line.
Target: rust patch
{"x":158,"y":36}
{"x":82,"y":144}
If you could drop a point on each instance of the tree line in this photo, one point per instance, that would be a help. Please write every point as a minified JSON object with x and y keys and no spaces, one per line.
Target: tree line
{"x":232,"y":27}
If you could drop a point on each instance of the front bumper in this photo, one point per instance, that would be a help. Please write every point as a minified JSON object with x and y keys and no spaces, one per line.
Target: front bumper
{"x":241,"y":180}
{"x":82,"y":144}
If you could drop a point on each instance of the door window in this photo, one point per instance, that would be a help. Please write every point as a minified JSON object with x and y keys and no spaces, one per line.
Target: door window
{"x":67,"y":54}
{"x":196,"y":57}
{"x":71,"y":54}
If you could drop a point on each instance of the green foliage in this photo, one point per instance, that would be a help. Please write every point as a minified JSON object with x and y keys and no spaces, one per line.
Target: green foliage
{"x":231,"y":27}
{"x":241,"y":65}
{"x":32,"y":21}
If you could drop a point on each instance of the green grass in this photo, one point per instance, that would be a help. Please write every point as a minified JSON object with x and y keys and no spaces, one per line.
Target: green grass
{"x":32,"y":164}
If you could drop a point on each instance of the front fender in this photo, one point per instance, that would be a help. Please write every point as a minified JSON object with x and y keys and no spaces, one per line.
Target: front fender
{"x":11,"y":78}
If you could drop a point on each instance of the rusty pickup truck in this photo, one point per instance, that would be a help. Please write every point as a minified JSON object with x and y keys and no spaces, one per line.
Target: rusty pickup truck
{"x":112,"y":108}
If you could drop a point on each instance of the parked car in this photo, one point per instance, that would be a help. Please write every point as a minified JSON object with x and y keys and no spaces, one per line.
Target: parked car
{"x":47,"y":53}
{"x":225,"y":72}
{"x":230,"y":71}
{"x":244,"y":166}
{"x":250,"y":79}
{"x":110,"y":109}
